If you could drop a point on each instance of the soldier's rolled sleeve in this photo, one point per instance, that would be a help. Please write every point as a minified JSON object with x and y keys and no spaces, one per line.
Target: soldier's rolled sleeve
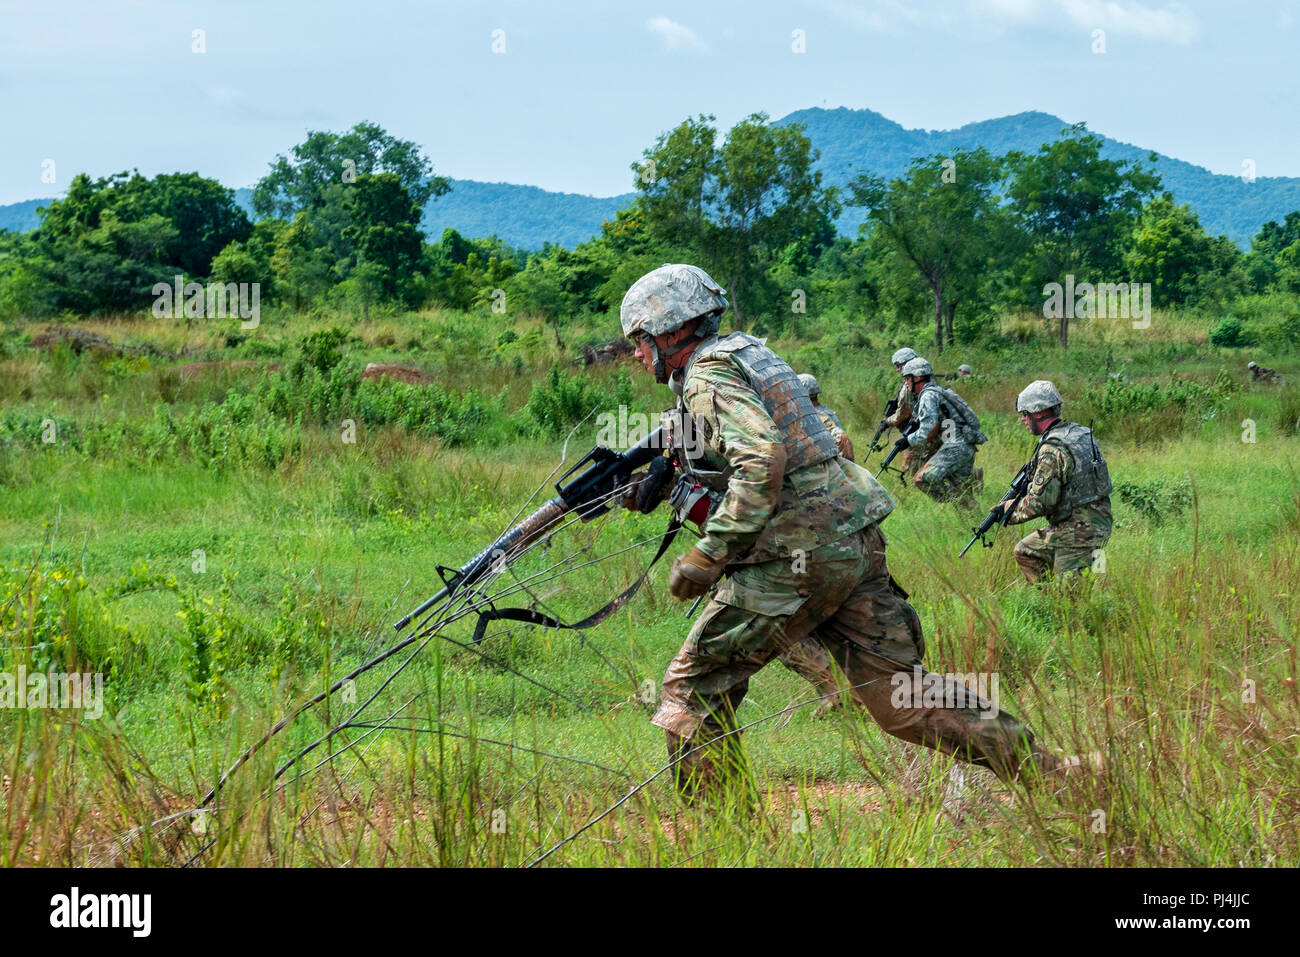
{"x":904,"y":412}
{"x":745,"y":435}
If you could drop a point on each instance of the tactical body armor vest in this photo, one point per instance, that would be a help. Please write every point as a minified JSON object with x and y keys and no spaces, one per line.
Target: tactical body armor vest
{"x":806,"y":438}
{"x":954,"y":407}
{"x":1090,"y":479}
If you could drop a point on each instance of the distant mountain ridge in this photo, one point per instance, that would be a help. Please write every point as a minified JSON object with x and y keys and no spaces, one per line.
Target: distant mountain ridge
{"x":853,"y":139}
{"x":850,"y":141}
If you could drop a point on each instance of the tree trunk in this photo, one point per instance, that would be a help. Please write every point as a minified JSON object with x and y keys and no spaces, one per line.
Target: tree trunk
{"x":952,"y":311}
{"x":1064,"y":335}
{"x":938,"y":319}
{"x":737,"y":317}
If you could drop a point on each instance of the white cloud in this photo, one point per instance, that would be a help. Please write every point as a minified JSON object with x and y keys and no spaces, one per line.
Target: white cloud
{"x":676,"y":36}
{"x":889,"y":16}
{"x":1172,"y":22}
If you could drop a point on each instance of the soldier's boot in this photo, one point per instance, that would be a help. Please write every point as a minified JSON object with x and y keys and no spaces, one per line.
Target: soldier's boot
{"x":831,"y":700}
{"x":966,"y":501}
{"x":689,"y":770}
{"x":712,"y":768}
{"x":1063,"y":775}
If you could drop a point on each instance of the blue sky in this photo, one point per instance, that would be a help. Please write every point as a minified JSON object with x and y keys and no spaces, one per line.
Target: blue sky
{"x":582,"y":88}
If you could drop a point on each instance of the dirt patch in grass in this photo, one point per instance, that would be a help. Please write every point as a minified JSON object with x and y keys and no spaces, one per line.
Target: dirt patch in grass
{"x":379,"y":370}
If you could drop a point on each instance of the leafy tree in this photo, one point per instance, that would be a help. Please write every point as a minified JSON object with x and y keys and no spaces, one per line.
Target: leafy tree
{"x":250,"y":261}
{"x":1078,"y":207}
{"x":1274,"y":257}
{"x":1169,"y":249}
{"x":384,"y":233}
{"x":299,"y":181}
{"x":936,"y":226}
{"x":303,"y":269}
{"x":737,"y":205}
{"x":201,"y":212}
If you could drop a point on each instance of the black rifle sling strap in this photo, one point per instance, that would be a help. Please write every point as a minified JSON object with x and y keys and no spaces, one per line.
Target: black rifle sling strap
{"x":534,"y":617}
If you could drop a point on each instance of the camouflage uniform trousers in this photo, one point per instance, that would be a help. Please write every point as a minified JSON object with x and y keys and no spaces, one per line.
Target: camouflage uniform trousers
{"x":845,"y":599}
{"x":949,"y":473}
{"x":1063,"y":549}
{"x":810,"y":661}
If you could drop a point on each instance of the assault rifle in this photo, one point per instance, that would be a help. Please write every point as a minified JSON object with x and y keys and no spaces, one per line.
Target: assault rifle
{"x":1019,"y":486}
{"x":890,"y":408}
{"x":586,"y":494}
{"x":899,"y":446}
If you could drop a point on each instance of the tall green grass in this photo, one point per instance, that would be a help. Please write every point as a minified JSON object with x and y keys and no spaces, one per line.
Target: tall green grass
{"x":1177,"y":663}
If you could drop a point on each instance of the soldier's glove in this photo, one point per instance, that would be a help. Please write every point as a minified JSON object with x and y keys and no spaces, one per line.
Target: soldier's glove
{"x":693,"y":574}
{"x":845,"y":445}
{"x":650,"y":487}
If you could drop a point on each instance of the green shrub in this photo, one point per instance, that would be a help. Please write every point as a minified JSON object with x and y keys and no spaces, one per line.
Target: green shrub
{"x":1229,"y":333}
{"x":1158,"y":500}
{"x":566,"y":400}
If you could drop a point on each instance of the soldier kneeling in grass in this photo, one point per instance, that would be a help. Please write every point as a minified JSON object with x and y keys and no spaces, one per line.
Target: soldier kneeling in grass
{"x":1069,"y":486}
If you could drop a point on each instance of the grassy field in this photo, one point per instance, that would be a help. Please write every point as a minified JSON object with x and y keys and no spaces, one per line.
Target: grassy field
{"x":220,"y":544}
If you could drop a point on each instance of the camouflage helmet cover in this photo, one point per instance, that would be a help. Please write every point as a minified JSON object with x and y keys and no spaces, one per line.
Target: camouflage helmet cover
{"x":964,"y":368}
{"x":917,"y":367}
{"x":665,"y":299}
{"x":810,"y":383}
{"x":1252,"y":365}
{"x":903,"y":356}
{"x":1037,"y":396}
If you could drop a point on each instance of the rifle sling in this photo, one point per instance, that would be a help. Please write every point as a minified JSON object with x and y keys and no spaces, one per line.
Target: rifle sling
{"x":534,"y":617}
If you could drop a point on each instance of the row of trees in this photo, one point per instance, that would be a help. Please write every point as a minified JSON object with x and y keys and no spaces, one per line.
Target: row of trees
{"x":959,"y":238}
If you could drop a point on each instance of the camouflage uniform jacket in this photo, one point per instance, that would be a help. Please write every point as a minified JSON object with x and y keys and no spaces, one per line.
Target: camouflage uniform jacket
{"x":903,"y":414}
{"x":1048,"y":488}
{"x":765,"y":511}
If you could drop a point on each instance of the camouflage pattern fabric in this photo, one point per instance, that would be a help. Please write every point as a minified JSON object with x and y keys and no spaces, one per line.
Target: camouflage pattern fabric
{"x":948,"y":473}
{"x":836,"y":429}
{"x":846,"y":599}
{"x":946,"y":465}
{"x":1260,"y":374}
{"x":903,"y":414}
{"x":810,"y":661}
{"x":765,"y":512}
{"x":1067,"y":546}
{"x":828,"y":416}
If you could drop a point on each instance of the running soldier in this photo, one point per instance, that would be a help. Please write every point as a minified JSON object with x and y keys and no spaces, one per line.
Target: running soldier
{"x":793,"y":547}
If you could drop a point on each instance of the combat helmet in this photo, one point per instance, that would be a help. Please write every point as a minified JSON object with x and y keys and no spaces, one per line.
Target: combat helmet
{"x":1037,"y":396}
{"x":903,"y":356}
{"x":664,"y":300}
{"x":917,"y":367}
{"x":810,"y":384}
{"x":964,"y":369}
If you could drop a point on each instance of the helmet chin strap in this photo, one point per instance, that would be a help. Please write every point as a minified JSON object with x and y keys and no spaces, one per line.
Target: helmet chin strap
{"x":660,"y":365}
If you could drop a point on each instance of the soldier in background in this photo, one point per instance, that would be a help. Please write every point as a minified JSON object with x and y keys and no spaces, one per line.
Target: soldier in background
{"x":945,"y":438}
{"x":1259,"y":374}
{"x":1070,"y":487}
{"x":828,"y":416}
{"x":903,"y":414}
{"x":963,"y":370}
